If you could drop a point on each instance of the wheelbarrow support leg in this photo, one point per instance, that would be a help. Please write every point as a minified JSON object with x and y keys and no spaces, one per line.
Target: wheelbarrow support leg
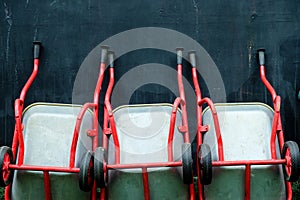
{"x":47,"y":185}
{"x":247,"y":181}
{"x":146,"y":184}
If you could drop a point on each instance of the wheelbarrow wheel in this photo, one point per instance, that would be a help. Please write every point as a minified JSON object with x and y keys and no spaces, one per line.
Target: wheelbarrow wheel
{"x":291,"y":168}
{"x":86,"y":173}
{"x":100,"y":158}
{"x":187,"y":163}
{"x":6,"y":158}
{"x":205,"y":164}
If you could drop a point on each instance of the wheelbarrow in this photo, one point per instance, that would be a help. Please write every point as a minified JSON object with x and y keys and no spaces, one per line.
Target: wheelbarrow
{"x":241,"y":150}
{"x":146,"y":150}
{"x":59,"y":140}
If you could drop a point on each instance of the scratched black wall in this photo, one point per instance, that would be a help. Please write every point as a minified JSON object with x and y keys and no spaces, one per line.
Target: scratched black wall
{"x":230,"y":31}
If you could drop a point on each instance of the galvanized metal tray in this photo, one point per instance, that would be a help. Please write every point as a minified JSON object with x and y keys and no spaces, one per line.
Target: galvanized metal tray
{"x":143,"y":132}
{"x":246,"y":131}
{"x":48,"y":133}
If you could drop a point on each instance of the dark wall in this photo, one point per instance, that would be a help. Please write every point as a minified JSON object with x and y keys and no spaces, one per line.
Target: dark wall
{"x":230,"y":31}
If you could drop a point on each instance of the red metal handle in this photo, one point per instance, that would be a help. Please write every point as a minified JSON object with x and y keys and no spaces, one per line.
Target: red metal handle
{"x":36,"y":54}
{"x":276,"y":125}
{"x":76,"y":131}
{"x":107,"y":98}
{"x":97,"y":94}
{"x":216,"y":124}
{"x":183,"y":107}
{"x":114,"y":131}
{"x":19,"y":104}
{"x":178,"y":101}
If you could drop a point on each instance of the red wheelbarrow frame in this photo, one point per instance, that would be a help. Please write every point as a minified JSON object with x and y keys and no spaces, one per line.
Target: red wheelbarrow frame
{"x":276,"y":131}
{"x":18,"y":139}
{"x":109,"y":118}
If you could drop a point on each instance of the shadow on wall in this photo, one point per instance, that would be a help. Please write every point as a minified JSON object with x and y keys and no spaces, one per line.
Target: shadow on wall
{"x":290,"y":52}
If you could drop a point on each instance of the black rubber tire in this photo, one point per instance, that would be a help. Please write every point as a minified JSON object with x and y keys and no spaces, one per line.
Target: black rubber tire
{"x":86,"y":173}
{"x":294,"y":169}
{"x":205,"y":164}
{"x":99,"y":159}
{"x":187,"y":163}
{"x":4,"y":150}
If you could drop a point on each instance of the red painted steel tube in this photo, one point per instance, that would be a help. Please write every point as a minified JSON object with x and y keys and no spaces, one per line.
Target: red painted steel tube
{"x":274,"y":127}
{"x":106,"y":119}
{"x":178,"y":101}
{"x":94,"y":191}
{"x":110,"y":85}
{"x":266,"y":82}
{"x":105,"y":128}
{"x":146,"y":184}
{"x":7,"y":192}
{"x":76,"y":131}
{"x":47,"y":186}
{"x":249,"y":162}
{"x":198,"y":96}
{"x":280,"y":134}
{"x":44,"y":168}
{"x":146,"y":165}
{"x":277,"y":125}
{"x":114,"y":131}
{"x":107,"y":98}
{"x":96,"y":102}
{"x":15,"y":143}
{"x":31,"y":79}
{"x":183,"y":108}
{"x":18,"y":139}
{"x":99,"y":84}
{"x":192,"y":191}
{"x":247,"y":182}
{"x":102,"y":193}
{"x":200,"y":188}
{"x":184,"y":116}
{"x":96,"y":115}
{"x":216,"y":124}
{"x":289,"y":190}
{"x":18,"y":118}
{"x":199,"y":124}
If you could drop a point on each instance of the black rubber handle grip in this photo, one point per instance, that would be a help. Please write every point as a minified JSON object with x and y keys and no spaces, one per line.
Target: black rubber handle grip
{"x":104,"y":50}
{"x":179,"y":52}
{"x":111,"y":58}
{"x":36,"y":49}
{"x":192,"y":57}
{"x":261,"y":56}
